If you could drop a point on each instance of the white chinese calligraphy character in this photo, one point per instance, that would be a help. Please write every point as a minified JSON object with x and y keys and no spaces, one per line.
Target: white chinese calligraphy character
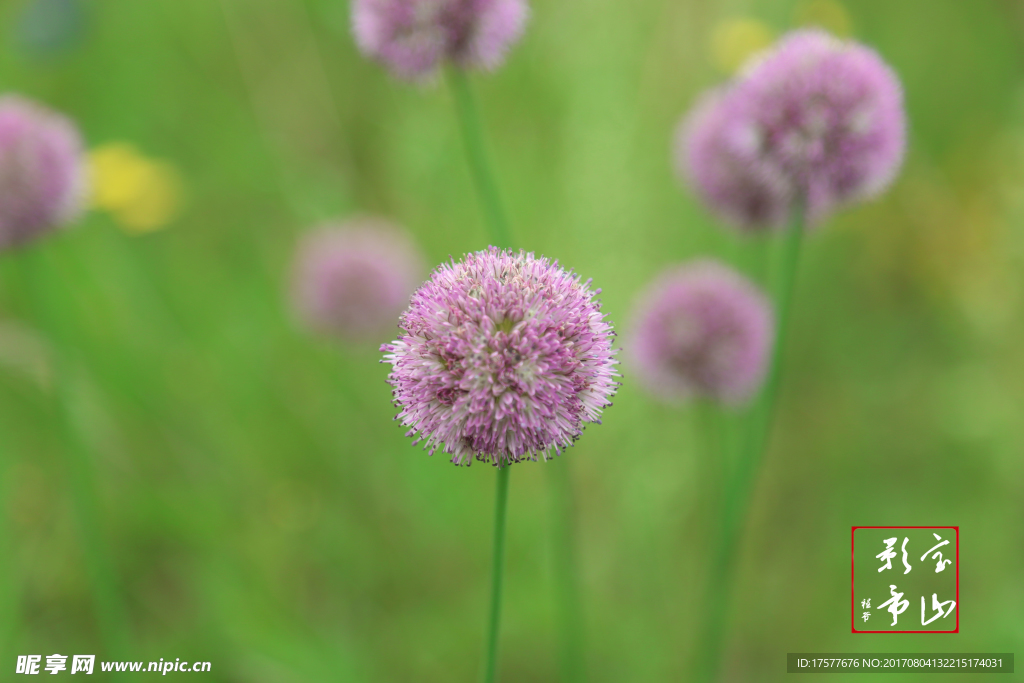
{"x":83,"y":663}
{"x":866,"y":604}
{"x":55,"y":663}
{"x":897,"y":605}
{"x":887,"y":554}
{"x":937,"y":606}
{"x":866,"y":615}
{"x":942,"y":563}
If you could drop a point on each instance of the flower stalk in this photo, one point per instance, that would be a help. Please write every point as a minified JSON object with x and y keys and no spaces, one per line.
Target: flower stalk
{"x":740,"y":484}
{"x":497,"y":574}
{"x":476,"y":154}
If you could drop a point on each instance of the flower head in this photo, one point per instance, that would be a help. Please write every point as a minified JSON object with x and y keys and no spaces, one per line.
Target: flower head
{"x":351,"y":280}
{"x":413,"y":37}
{"x":817,"y":120}
{"x":702,"y":329}
{"x":42,"y":171}
{"x":716,"y":151}
{"x":504,"y":357}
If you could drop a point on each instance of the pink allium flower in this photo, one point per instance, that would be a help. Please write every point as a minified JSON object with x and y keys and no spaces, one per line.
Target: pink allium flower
{"x":815,"y":119}
{"x":702,"y":329}
{"x":716,"y":151}
{"x":505,"y":357}
{"x":351,"y":280}
{"x":413,"y":37}
{"x":42,"y":171}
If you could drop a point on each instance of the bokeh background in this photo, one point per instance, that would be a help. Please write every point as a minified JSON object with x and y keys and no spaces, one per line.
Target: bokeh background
{"x":260,"y":508}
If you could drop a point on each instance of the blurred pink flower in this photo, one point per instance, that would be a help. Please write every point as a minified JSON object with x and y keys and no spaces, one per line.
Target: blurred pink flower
{"x":816,"y":119}
{"x":413,"y":37}
{"x":351,"y":280}
{"x":716,"y":151}
{"x":42,"y":171}
{"x":702,"y":330}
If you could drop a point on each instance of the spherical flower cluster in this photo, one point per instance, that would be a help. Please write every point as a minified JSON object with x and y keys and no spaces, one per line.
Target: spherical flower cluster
{"x":504,"y":357}
{"x":702,"y":330}
{"x":413,"y":37}
{"x":42,"y":171}
{"x":816,"y":121}
{"x":717,"y":152}
{"x":350,"y":280}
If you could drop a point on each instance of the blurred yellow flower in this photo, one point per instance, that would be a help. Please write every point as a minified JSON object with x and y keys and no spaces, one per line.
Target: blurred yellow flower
{"x":734,"y":40}
{"x":142,"y":194}
{"x":827,"y":14}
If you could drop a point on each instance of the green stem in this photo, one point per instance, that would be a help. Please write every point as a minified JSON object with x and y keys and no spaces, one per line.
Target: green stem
{"x":740,"y":485}
{"x":497,"y":572}
{"x":110,"y":613}
{"x":570,"y":606}
{"x":476,"y":152}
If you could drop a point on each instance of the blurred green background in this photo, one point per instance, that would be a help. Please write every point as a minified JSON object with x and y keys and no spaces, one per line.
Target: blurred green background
{"x":262,"y":510}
